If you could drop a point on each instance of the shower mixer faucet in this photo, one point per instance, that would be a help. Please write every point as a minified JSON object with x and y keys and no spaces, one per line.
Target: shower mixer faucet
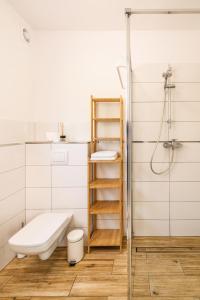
{"x":174,"y":144}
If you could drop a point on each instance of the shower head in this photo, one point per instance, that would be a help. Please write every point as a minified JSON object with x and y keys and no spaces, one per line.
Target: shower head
{"x":168,"y":73}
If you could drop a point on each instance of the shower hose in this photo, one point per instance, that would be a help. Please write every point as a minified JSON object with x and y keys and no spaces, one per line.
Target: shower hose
{"x":166,"y":92}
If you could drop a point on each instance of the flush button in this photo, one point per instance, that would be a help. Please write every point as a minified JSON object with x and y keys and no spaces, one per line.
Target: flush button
{"x":60,"y":158}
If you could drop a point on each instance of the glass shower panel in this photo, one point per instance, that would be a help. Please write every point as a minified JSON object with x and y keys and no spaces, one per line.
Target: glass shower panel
{"x":166,"y":207}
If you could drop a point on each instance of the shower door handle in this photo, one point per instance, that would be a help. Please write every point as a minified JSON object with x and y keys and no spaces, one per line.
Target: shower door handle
{"x":120,"y":76}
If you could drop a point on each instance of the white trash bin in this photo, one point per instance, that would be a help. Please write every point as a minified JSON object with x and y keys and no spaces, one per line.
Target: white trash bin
{"x":75,"y":246}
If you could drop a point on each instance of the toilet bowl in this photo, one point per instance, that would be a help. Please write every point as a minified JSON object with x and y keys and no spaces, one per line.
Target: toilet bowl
{"x":41,"y":236}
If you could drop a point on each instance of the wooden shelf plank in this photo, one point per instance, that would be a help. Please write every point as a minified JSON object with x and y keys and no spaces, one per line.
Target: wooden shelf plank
{"x":114,"y":100}
{"x":105,"y":183}
{"x":117,"y":160}
{"x":107,"y":119}
{"x":105,"y":237}
{"x":105,"y":207}
{"x":106,"y":139}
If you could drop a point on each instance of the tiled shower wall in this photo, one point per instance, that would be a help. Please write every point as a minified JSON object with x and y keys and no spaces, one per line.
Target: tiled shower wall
{"x":12,"y":196}
{"x":166,"y":204}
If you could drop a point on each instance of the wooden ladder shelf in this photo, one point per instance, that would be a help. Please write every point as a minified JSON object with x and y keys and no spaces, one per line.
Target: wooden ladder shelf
{"x":105,"y":237}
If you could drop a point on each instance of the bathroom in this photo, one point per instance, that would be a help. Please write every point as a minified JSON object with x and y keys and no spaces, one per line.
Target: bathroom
{"x":59,"y":60}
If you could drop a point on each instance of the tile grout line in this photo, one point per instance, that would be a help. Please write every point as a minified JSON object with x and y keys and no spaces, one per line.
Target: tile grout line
{"x":10,"y":195}
{"x":12,"y":170}
{"x":72,"y":285}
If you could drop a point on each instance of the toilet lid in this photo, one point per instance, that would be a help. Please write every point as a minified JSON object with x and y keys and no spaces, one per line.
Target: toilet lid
{"x":40,"y":230}
{"x":75,"y":235}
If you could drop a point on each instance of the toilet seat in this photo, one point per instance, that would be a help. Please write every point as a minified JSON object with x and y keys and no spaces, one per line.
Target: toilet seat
{"x":40,"y":234}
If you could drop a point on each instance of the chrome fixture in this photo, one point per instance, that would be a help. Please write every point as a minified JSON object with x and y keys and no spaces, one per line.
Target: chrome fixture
{"x":173,"y":144}
{"x":167,"y":75}
{"x":26,"y":35}
{"x":129,"y":11}
{"x":120,"y":76}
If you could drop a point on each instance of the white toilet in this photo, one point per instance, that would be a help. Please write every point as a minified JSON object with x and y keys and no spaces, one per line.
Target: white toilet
{"x":41,"y":236}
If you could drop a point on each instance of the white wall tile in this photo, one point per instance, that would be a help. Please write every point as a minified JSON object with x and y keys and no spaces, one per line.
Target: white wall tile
{"x":142,"y":152}
{"x":148,"y":131}
{"x":108,"y":217}
{"x":185,"y":227}
{"x":151,"y":227}
{"x":149,"y":72}
{"x":108,"y":224}
{"x":69,"y":176}
{"x":151,"y":191}
{"x":8,"y":229}
{"x":38,"y":198}
{"x":79,"y":218}
{"x":12,"y":206}
{"x":186,"y":72}
{"x":38,"y":176}
{"x":142,"y":172}
{"x":108,"y":171}
{"x":148,"y":112}
{"x":108,"y":194}
{"x":185,"y":131}
{"x":77,"y":153}
{"x":6,"y":255}
{"x":186,"y":111}
{"x":187,"y":91}
{"x":12,"y":157}
{"x":146,"y":91}
{"x":150,"y":210}
{"x":69,"y":198}
{"x":185,"y":191}
{"x":185,"y":172}
{"x":113,"y":146}
{"x":32,"y":213}
{"x":11,"y":182}
{"x":189,"y":152}
{"x":38,"y":154}
{"x":185,"y":210}
{"x":12,"y":196}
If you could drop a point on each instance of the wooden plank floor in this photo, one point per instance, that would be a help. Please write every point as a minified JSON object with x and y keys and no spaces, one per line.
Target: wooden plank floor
{"x":101,"y":275}
{"x":163,"y":268}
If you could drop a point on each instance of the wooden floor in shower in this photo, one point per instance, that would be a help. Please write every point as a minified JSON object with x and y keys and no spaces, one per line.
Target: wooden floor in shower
{"x":163,"y":269}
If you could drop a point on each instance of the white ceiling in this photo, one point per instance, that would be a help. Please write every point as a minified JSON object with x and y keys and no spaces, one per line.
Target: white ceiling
{"x":102,"y":14}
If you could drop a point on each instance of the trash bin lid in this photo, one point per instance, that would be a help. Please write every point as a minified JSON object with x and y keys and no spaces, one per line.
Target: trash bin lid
{"x":75,"y":235}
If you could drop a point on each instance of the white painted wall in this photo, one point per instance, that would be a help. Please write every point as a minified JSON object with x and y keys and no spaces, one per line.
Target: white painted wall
{"x":70,"y":66}
{"x":15,"y":75}
{"x":165,"y":46}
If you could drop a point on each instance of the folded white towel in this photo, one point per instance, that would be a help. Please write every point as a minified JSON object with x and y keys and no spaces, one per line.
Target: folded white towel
{"x":104,"y":155}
